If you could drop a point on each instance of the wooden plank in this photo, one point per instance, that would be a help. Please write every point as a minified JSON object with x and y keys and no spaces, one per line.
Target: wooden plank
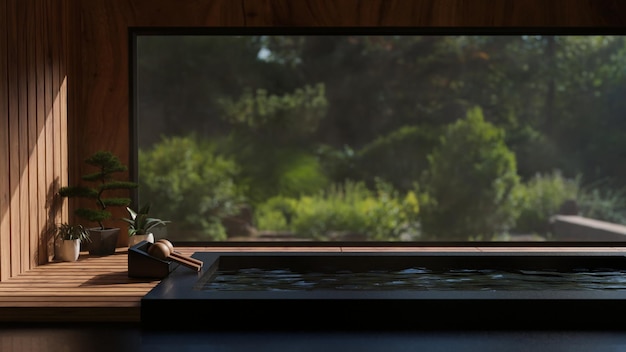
{"x":118,"y":276}
{"x":89,"y":270}
{"x":63,"y":131}
{"x":5,"y":189}
{"x":74,"y":291}
{"x":101,"y":301}
{"x":34,"y":230}
{"x":70,"y":302}
{"x":86,"y":280}
{"x":15,"y":288}
{"x":85,"y":265}
{"x":61,"y":288}
{"x":114,"y":271}
{"x":22,"y":65}
{"x":92,"y":268}
{"x":54,"y":42}
{"x":63,"y":291}
{"x":14,"y":164}
{"x":52,"y":181}
{"x":43,"y":178}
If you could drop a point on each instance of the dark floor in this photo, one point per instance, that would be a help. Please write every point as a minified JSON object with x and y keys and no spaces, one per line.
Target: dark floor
{"x":130,"y":337}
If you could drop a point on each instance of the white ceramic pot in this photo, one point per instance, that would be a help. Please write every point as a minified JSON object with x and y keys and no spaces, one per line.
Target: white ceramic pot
{"x":133,"y":240}
{"x":68,"y":250}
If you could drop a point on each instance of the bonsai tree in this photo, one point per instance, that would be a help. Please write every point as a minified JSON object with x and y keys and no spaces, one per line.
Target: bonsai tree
{"x":103,"y":182}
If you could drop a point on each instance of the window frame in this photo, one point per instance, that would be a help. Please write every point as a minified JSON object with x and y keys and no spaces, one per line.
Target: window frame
{"x":134,"y":32}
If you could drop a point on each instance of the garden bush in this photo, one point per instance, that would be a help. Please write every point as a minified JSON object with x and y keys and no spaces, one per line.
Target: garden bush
{"x":348,"y":209}
{"x":191,"y":185}
{"x":470,"y":183}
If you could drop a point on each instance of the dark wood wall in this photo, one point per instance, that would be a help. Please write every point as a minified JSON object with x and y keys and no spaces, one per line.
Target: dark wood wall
{"x":64,"y":79}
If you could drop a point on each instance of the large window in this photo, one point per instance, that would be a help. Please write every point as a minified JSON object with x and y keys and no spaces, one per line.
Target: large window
{"x":405,"y":136}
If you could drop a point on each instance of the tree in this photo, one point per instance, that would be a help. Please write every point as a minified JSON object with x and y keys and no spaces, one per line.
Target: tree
{"x":470,"y":184}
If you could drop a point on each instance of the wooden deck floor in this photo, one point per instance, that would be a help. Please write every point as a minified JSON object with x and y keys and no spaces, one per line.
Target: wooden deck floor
{"x":98,"y":289}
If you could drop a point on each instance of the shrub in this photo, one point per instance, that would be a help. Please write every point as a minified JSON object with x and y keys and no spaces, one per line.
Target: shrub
{"x":542,"y":197}
{"x":275,"y":214}
{"x":470,"y":183}
{"x":603,"y":203}
{"x":269,"y":171}
{"x":398,"y":157}
{"x":189,"y":184}
{"x":348,"y":208}
{"x":331,"y":212}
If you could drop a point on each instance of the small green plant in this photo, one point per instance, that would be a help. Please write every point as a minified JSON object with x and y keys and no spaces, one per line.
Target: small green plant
{"x":107,"y":165}
{"x":140,"y":223}
{"x":69,"y":232}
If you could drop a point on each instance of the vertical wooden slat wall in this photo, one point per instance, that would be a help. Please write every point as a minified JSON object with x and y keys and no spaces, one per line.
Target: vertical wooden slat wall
{"x":5,"y":192}
{"x":32,"y":129}
{"x":64,"y":75}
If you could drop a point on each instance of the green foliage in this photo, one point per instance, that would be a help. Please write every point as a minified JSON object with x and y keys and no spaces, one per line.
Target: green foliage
{"x":471,"y":182}
{"x":373,"y":107}
{"x":542,"y":197}
{"x":338,"y":163}
{"x":331,"y":212}
{"x":299,"y":174}
{"x":69,"y":232}
{"x":267,"y":132}
{"x":603,"y":203}
{"x":391,"y":216}
{"x":398,"y":157}
{"x":268,"y":171}
{"x":276,"y":214}
{"x":295,"y":115}
{"x":107,"y":165}
{"x":350,"y":208}
{"x":140,"y":223}
{"x":191,"y":185}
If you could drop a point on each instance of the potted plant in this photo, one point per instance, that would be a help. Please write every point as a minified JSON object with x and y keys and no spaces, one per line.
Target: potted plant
{"x":103,"y":238}
{"x":140,"y":225}
{"x":69,"y":237}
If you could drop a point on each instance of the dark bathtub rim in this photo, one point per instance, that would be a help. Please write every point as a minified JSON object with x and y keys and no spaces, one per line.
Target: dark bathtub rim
{"x":408,"y":244}
{"x":175,"y":300}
